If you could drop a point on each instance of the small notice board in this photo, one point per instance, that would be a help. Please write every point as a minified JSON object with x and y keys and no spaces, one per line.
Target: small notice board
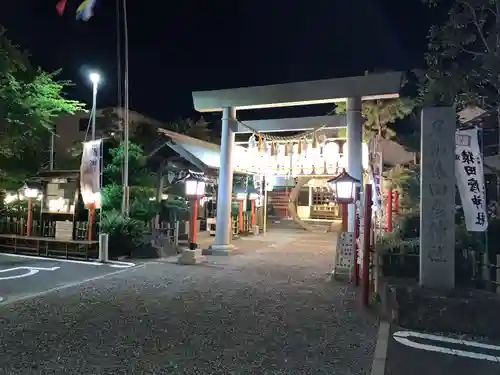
{"x":64,"y":230}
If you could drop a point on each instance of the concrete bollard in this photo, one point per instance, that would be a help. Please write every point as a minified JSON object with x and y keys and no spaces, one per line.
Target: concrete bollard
{"x":103,"y":247}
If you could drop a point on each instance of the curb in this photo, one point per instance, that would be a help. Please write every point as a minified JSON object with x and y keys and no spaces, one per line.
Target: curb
{"x":380,"y":354}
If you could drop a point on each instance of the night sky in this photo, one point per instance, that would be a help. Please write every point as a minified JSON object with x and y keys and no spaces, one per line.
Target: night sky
{"x":176,"y":47}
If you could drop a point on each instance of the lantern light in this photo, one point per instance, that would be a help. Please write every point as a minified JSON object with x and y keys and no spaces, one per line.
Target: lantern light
{"x":195,"y":188}
{"x":343,"y":187}
{"x":30,"y":192}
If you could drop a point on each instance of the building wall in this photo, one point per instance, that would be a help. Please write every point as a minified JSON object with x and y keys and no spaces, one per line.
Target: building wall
{"x":72,"y":129}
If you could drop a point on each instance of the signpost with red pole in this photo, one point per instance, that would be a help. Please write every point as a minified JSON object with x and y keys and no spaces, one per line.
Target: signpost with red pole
{"x":195,"y":189}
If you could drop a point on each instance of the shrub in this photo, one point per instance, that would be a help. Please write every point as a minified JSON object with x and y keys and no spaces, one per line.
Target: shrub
{"x":125,"y":233}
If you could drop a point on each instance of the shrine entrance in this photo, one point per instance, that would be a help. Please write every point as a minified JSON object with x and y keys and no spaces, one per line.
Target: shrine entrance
{"x":287,"y":154}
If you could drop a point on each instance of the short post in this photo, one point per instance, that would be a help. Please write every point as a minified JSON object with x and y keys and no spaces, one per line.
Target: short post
{"x":103,"y":247}
{"x":367,"y":223}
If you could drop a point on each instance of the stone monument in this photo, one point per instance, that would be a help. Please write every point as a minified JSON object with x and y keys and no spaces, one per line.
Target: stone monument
{"x":437,"y":198}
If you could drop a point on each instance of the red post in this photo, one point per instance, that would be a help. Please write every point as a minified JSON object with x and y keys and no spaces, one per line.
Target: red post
{"x":345,"y":216}
{"x":240,"y":216}
{"x":389,"y":210}
{"x":252,"y":212}
{"x":396,"y":202}
{"x":367,"y":224}
{"x":91,"y":222}
{"x":355,"y":276}
{"x":30,"y":217}
{"x":193,"y":223}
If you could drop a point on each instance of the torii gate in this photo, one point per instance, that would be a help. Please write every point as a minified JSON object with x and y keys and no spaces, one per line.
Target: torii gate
{"x":352,"y":90}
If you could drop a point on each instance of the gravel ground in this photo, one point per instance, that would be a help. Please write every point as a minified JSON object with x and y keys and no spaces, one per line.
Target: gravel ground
{"x":270,"y":310}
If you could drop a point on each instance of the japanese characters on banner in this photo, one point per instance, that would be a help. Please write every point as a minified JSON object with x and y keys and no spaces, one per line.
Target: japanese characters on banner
{"x":470,"y":179}
{"x":90,"y":174}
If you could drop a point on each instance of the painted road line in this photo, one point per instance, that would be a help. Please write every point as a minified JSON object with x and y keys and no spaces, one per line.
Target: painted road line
{"x":404,"y":338}
{"x":31,"y":271}
{"x":67,"y":286}
{"x":85,"y":262}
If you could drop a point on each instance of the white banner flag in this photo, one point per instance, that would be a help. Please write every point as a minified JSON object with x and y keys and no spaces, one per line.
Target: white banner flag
{"x":469,"y":173}
{"x":90,"y":173}
{"x":375,"y":172}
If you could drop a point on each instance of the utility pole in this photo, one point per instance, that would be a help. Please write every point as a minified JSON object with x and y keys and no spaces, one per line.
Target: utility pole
{"x":126,"y":197}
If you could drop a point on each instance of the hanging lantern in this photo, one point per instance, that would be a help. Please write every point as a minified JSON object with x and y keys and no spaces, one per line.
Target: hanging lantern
{"x":322,"y":138}
{"x":265,"y":147}
{"x":274,"y":151}
{"x":252,"y":143}
{"x":259,"y":145}
{"x":286,"y":149}
{"x":299,"y":150}
{"x":305,"y":145}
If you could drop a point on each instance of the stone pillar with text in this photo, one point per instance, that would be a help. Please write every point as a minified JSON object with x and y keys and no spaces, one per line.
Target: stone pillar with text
{"x":437,"y":198}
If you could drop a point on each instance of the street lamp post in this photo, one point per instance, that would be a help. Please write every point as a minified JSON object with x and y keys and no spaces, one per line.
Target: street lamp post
{"x":239,"y":195}
{"x":343,"y":188}
{"x":30,"y":194}
{"x":195,"y":189}
{"x":94,"y":78}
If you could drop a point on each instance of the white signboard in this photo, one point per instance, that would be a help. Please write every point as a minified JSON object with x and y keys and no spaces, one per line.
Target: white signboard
{"x":64,"y":230}
{"x":90,"y":173}
{"x":470,"y":180}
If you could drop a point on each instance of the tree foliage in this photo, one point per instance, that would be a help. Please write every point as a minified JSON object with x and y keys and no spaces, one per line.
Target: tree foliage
{"x":463,"y":62}
{"x":30,"y":100}
{"x":380,"y":114}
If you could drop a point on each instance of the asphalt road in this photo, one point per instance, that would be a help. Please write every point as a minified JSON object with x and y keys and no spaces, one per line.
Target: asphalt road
{"x":21,"y":277}
{"x":432,"y":355}
{"x":266,"y":310}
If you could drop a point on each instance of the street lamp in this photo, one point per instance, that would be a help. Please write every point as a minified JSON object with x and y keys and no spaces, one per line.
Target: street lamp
{"x":195,"y":189}
{"x":343,"y":188}
{"x":30,"y":193}
{"x":94,"y":78}
{"x":240,"y":195}
{"x":253,"y":195}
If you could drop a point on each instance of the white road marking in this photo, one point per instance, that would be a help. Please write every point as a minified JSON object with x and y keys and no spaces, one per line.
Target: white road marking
{"x":31,"y":271}
{"x":66,"y":286}
{"x":404,"y":337}
{"x":111,"y":263}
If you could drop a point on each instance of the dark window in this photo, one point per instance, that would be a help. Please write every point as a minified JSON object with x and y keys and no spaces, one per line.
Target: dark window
{"x":303,"y":198}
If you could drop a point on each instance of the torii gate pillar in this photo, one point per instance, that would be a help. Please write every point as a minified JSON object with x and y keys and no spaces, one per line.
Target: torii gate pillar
{"x":223,"y":232}
{"x":354,"y":148}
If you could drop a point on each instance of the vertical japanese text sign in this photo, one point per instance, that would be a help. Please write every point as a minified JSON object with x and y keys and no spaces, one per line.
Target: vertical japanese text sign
{"x":437,"y":198}
{"x":470,"y":180}
{"x":90,"y":173}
